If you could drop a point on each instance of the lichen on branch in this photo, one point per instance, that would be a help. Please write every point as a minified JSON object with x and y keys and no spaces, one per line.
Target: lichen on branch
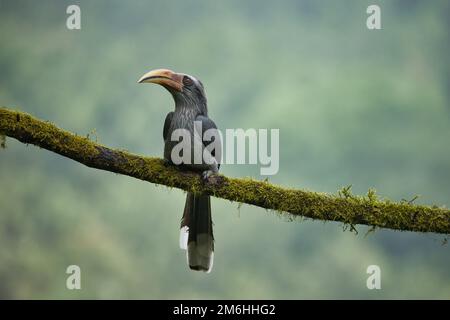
{"x":343,"y":207}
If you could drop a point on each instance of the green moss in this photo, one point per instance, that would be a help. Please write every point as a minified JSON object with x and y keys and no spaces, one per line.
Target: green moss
{"x":92,"y":135}
{"x":346,"y":192}
{"x":372,"y":196}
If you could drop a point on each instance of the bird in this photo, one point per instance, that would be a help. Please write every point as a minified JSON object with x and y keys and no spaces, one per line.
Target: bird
{"x":191,"y":110}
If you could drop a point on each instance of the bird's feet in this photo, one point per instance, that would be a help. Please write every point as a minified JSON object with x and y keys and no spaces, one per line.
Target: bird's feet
{"x":211,"y":177}
{"x":206,"y":175}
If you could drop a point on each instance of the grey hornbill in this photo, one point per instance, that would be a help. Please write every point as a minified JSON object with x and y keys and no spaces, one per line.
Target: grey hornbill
{"x":196,"y":233}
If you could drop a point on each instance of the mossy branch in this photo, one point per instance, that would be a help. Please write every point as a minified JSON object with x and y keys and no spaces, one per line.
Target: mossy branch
{"x":343,"y":207}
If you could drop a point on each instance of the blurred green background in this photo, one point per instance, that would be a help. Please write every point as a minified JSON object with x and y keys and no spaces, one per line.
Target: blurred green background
{"x":359,"y":107}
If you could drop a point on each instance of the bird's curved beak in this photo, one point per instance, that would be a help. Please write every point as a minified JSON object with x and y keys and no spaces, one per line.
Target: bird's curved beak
{"x":164,"y":77}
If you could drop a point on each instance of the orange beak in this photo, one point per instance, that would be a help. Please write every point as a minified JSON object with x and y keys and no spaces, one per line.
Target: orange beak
{"x":164,"y":77}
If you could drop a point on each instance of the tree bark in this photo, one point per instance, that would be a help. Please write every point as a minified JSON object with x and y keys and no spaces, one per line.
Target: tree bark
{"x":343,"y":207}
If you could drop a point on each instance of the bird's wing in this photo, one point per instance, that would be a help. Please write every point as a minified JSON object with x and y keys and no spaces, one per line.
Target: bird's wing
{"x":167,"y":123}
{"x":207,"y":124}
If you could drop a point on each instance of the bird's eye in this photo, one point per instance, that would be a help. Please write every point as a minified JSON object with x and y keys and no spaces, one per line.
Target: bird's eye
{"x":187,"y":81}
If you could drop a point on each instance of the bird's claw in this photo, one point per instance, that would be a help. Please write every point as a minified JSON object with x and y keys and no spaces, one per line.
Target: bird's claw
{"x":212,"y":178}
{"x":207,"y":174}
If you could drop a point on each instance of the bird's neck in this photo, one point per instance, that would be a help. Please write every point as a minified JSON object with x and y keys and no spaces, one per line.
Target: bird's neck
{"x":190,"y":106}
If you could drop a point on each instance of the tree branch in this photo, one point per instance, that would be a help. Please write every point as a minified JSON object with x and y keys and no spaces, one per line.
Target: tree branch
{"x":344,"y":207}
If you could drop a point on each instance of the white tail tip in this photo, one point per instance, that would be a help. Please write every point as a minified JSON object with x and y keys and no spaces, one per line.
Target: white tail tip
{"x":184,"y":235}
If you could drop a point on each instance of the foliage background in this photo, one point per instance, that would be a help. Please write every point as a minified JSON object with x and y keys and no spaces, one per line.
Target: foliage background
{"x":360,"y":107}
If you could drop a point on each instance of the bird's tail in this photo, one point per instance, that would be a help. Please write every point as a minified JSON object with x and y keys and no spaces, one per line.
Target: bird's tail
{"x":196,"y":234}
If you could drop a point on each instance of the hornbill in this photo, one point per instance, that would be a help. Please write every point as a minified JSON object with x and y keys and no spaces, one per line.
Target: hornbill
{"x":196,"y":232}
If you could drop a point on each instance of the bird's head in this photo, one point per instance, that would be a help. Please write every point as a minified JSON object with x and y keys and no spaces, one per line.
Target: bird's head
{"x":187,"y":91}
